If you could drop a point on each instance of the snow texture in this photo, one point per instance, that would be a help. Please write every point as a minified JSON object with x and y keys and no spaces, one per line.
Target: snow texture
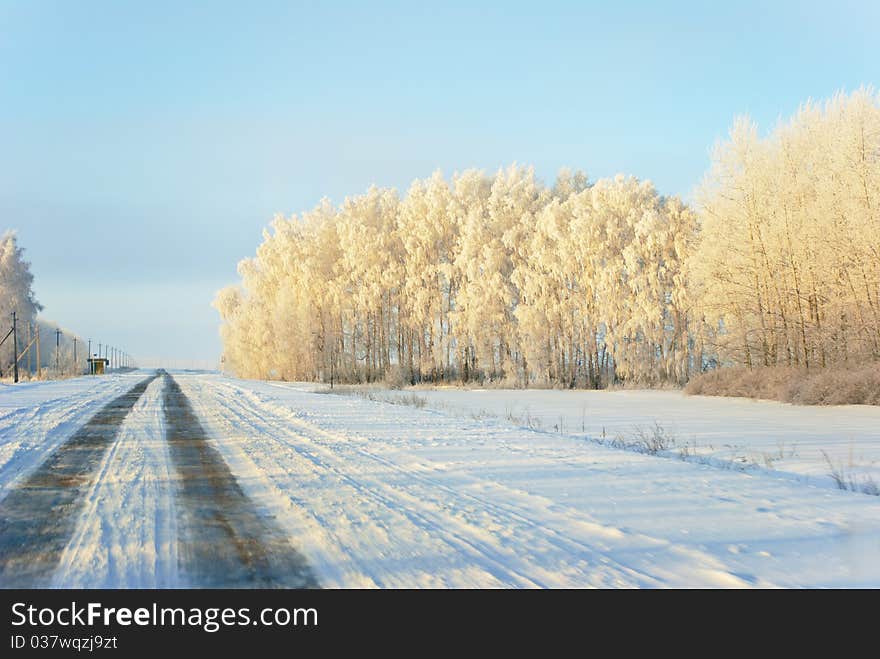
{"x":381,"y":495}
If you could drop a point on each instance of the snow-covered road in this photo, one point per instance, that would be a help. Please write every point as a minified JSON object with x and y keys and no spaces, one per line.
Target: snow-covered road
{"x":370,"y":494}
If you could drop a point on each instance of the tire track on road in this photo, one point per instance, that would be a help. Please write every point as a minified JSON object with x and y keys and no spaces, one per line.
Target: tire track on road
{"x":602,"y":549}
{"x":223,"y":541}
{"x":30,"y":433}
{"x":39,"y":515}
{"x":460,"y":541}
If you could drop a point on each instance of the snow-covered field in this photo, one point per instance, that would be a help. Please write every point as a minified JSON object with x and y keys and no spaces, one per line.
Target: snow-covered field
{"x":803,"y":441}
{"x":381,"y":495}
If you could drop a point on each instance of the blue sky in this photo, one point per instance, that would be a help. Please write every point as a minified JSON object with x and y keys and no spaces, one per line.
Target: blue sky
{"x":145,"y":145}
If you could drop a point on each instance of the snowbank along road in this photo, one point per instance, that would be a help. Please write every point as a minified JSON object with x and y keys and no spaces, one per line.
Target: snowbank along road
{"x":149,"y":480}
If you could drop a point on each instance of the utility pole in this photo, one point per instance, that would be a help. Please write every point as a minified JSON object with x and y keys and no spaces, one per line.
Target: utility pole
{"x":89,"y":362}
{"x":58,"y":350}
{"x":14,"y":348}
{"x":39,"y":363}
{"x":30,"y":370}
{"x":74,"y":355}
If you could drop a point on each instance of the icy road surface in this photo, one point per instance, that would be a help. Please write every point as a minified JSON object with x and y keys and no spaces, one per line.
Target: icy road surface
{"x":285,"y":487}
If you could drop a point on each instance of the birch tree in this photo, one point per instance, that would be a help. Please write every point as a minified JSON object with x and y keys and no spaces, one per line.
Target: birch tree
{"x":788,"y":266}
{"x":493,"y":278}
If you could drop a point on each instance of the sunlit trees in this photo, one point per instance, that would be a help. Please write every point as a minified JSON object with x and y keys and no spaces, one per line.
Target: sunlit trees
{"x":480,"y":278}
{"x":428,"y":232}
{"x":494,"y":239}
{"x":789,"y":261}
{"x":500,"y":278}
{"x":603,"y":290}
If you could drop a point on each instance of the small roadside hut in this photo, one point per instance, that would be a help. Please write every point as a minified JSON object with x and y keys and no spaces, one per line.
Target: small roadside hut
{"x":97,"y":365}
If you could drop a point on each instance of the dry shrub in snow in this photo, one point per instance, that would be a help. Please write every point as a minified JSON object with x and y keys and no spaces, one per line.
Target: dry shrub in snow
{"x":832,"y":386}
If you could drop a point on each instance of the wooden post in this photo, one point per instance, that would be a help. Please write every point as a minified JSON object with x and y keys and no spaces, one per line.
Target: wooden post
{"x":14,"y":347}
{"x":30,"y":361}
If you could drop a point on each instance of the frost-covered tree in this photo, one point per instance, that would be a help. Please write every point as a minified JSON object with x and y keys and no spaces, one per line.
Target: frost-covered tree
{"x":494,"y":237}
{"x":788,"y":268}
{"x":16,"y":280}
{"x":603,"y":286}
{"x":16,"y":293}
{"x":482,"y":277}
{"x":429,"y":235}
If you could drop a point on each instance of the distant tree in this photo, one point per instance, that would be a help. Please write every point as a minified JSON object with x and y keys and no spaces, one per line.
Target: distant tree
{"x":16,"y":291}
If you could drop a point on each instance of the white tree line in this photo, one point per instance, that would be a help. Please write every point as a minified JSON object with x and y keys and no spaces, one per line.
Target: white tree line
{"x":582,"y":284}
{"x":55,"y":355}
